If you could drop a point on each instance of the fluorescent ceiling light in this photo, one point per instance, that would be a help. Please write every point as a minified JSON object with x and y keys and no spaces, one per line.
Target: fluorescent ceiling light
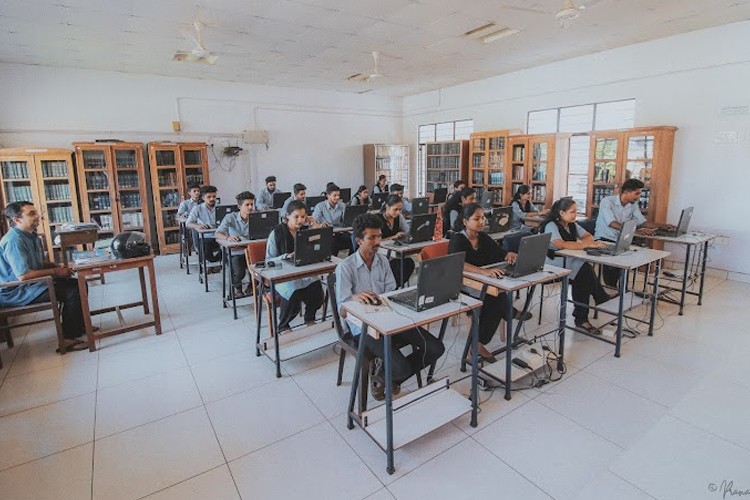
{"x":493,"y":37}
{"x":481,"y":31}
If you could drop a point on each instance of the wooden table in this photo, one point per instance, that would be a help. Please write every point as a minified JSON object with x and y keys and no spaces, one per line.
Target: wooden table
{"x":140,"y":263}
{"x":73,"y":237}
{"x":508,"y":286}
{"x":631,"y":260}
{"x":697,"y":269}
{"x":268,"y":278}
{"x":431,"y":406}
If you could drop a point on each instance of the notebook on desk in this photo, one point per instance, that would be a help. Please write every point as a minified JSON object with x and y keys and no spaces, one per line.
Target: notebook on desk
{"x":439,"y":281}
{"x":532,"y":252}
{"x":682,"y":226}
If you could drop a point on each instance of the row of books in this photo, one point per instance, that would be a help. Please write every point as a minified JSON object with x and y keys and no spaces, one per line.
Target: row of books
{"x":57,"y":191}
{"x":539,"y":193}
{"x":15,"y":170}
{"x":167,"y":178}
{"x":519,"y":152}
{"x":496,"y":178}
{"x":125,"y":159}
{"x":447,"y":176}
{"x":60,"y":214}
{"x":97,"y":180}
{"x":132,"y":220}
{"x":55,"y":169}
{"x":127,"y":179}
{"x":539,"y":173}
{"x":19,"y":193}
{"x":440,"y":162}
{"x":170,"y":198}
{"x":600,"y":192}
{"x":451,"y":148}
{"x":104,"y":221}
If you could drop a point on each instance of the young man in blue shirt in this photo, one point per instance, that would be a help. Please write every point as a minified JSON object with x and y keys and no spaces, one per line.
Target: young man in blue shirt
{"x":234,"y":227}
{"x":21,"y":259}
{"x":362,"y":277}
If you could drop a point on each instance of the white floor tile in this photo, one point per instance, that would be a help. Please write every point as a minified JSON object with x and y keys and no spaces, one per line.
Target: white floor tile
{"x":217,"y":342}
{"x":383,"y":494}
{"x":144,"y":400}
{"x":645,"y":377}
{"x":320,"y":386}
{"x":323,"y":467}
{"x":46,"y":386}
{"x":64,"y":476}
{"x":227,"y":375}
{"x":216,"y":484}
{"x":676,"y":461}
{"x":251,"y":420}
{"x":467,"y":470}
{"x":133,"y":364}
{"x":38,"y":356}
{"x":534,"y":435}
{"x":606,"y":409}
{"x":154,"y":456}
{"x":46,"y":430}
{"x":608,"y":485}
{"x":715,"y":406}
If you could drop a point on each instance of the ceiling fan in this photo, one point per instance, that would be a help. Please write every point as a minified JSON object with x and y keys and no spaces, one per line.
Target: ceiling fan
{"x":568,"y":12}
{"x":367,"y":78}
{"x":199,"y":54}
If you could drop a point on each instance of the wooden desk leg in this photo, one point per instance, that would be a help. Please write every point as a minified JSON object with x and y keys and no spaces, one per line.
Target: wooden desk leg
{"x":154,"y":296}
{"x":144,"y":295}
{"x":83,"y":292}
{"x":390,"y":469}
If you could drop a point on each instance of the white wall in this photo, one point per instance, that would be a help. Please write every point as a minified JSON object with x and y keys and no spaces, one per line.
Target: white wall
{"x":315,"y":136}
{"x":686,"y":81}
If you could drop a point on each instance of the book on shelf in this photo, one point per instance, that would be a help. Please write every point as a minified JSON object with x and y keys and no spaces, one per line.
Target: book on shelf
{"x":497,"y":142}
{"x":518,"y":171}
{"x":15,"y":170}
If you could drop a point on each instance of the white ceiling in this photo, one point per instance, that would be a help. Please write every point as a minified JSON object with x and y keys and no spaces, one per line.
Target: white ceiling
{"x":318,"y":43}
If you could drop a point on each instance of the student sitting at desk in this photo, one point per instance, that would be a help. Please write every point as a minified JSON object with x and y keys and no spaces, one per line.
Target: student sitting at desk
{"x":203,"y":216}
{"x":331,"y":212}
{"x":21,"y":259}
{"x":454,"y":206}
{"x":194,"y":198}
{"x":522,"y":207}
{"x":482,"y":250}
{"x":265,"y":197}
{"x":381,"y":186}
{"x":614,"y":211}
{"x":362,"y":196}
{"x":299,"y":192}
{"x":362,"y":277}
{"x":234,"y":227}
{"x":304,"y":290}
{"x":458,"y":186}
{"x":567,"y":234}
{"x":398,"y":190}
{"x":396,"y":226}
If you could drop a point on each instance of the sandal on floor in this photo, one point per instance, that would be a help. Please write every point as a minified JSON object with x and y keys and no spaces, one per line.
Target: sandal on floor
{"x":78,"y":345}
{"x":591,"y":329}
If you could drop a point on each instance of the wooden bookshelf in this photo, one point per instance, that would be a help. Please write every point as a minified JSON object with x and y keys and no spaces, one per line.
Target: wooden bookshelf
{"x":391,"y":160}
{"x":531,"y":161}
{"x":174,"y":165}
{"x":112,"y":183}
{"x":46,"y":178}
{"x":643,"y":153}
{"x":445,"y":162}
{"x":488,"y":152}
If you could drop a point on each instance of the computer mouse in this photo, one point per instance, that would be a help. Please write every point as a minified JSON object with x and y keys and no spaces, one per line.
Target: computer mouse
{"x":398,"y":243}
{"x":377,"y":301}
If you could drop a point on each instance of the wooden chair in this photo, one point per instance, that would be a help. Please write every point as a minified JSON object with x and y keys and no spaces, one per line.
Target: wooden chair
{"x":256,"y":252}
{"x":433,"y":251}
{"x":8,"y":312}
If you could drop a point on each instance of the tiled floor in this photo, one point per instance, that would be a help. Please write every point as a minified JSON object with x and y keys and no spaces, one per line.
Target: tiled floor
{"x":194,"y":414}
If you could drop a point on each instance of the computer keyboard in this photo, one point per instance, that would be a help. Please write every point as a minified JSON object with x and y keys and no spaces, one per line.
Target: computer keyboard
{"x":409,"y":297}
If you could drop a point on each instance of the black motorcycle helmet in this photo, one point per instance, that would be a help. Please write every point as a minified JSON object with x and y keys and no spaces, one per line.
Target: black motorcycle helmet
{"x":130,"y":244}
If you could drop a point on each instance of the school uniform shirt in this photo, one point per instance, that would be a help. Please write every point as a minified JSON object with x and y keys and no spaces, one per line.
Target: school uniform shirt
{"x":516,"y":221}
{"x":487,"y":252}
{"x":611,"y":210}
{"x":285,"y":206}
{"x":333,"y":216}
{"x":376,"y":189}
{"x":186,"y":207}
{"x":576,"y":232}
{"x":353,"y":277}
{"x":355,"y":201}
{"x":399,"y":225}
{"x":233,"y":225}
{"x":201,"y":214}
{"x":407,"y":205}
{"x":20,"y":252}
{"x":280,"y":243}
{"x":264,"y":201}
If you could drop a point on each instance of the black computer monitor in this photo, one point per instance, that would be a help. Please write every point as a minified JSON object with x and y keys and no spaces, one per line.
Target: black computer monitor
{"x":279,"y":198}
{"x":377,"y":200}
{"x":262,"y":223}
{"x":311,"y":201}
{"x":346,"y":194}
{"x":223,"y":210}
{"x":439,"y":195}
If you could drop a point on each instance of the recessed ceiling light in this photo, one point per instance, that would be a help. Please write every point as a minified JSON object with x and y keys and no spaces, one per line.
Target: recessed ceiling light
{"x":481,"y":31}
{"x":503,"y":33}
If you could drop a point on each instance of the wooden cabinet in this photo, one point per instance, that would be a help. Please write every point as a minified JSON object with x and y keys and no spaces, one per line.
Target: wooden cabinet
{"x":386,"y":159}
{"x":445,"y":163}
{"x":639,"y":153}
{"x":531,"y":162}
{"x":44,"y":177}
{"x":488,"y":152}
{"x":112,"y":182}
{"x":173,"y":167}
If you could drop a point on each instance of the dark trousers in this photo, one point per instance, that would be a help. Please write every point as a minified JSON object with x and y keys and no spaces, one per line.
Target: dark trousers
{"x":66,"y":291}
{"x":210,"y":248}
{"x":493,"y":310}
{"x":311,"y":296}
{"x":396,"y":268}
{"x":239,"y":269}
{"x":342,"y":241}
{"x":426,"y":349}
{"x":585,"y":286}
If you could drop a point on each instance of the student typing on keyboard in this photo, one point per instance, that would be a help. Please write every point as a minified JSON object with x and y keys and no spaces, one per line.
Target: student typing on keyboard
{"x":363,"y":276}
{"x":481,"y":250}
